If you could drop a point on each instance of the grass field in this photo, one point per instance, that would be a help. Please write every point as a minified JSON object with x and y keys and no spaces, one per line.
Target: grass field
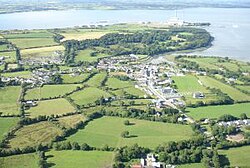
{"x":238,"y":157}
{"x":32,"y":135}
{"x":20,"y":74}
{"x":73,"y":159}
{"x":67,"y":78}
{"x":115,"y":83}
{"x":48,"y":91}
{"x":245,"y":88}
{"x":20,"y":161}
{"x":217,"y":111}
{"x":232,"y":92}
{"x":9,"y":56}
{"x":9,"y":100}
{"x":192,"y":165}
{"x":49,"y":107}
{"x":71,"y":121}
{"x":81,"y":35}
{"x":89,"y":95}
{"x":6,"y":125}
{"x":189,"y":84}
{"x":107,"y":130}
{"x":97,"y":79}
{"x":25,"y":43}
{"x":85,"y":55}
{"x":207,"y":62}
{"x":30,"y":34}
{"x":40,"y":52}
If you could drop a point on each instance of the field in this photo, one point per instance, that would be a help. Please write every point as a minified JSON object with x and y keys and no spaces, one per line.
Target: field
{"x":115,"y":83}
{"x":238,"y":157}
{"x":21,"y":74}
{"x":217,"y":111}
{"x":235,"y":94}
{"x":11,"y":56}
{"x":32,"y":135}
{"x":50,"y":107}
{"x":88,"y":95}
{"x":25,"y":43}
{"x":30,"y":34}
{"x":245,"y":88}
{"x":192,"y":165}
{"x":6,"y":125}
{"x":107,"y":130}
{"x":48,"y":91}
{"x":67,"y":78}
{"x":71,"y":121}
{"x":83,"y":34}
{"x":187,"y":85}
{"x":40,"y":52}
{"x":85,"y":55}
{"x":10,"y":105}
{"x":96,"y":80}
{"x":19,"y":161}
{"x":72,"y":159}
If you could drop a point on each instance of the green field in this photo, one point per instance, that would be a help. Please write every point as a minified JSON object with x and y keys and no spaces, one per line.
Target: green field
{"x":19,"y":161}
{"x":85,"y":55}
{"x":32,"y":135}
{"x":25,"y":43}
{"x":48,"y":91}
{"x":88,"y":95}
{"x":49,"y":107}
{"x":205,"y":62}
{"x":11,"y":56}
{"x":21,"y":74}
{"x":41,"y":52}
{"x":235,"y":94}
{"x":245,"y":88}
{"x":238,"y":157}
{"x":115,"y":83}
{"x":9,"y":100}
{"x":188,"y":85}
{"x":217,"y":111}
{"x":67,"y":78}
{"x":192,"y":165}
{"x":148,"y":134}
{"x":6,"y":125}
{"x":30,"y":34}
{"x":71,"y":121}
{"x":97,"y":79}
{"x":73,"y":159}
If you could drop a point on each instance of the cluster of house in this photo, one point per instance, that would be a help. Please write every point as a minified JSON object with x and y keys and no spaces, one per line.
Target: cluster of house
{"x":2,"y":60}
{"x":236,"y":123}
{"x":151,"y":161}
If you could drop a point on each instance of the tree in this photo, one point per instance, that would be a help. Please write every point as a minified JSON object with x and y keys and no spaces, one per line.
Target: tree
{"x":243,"y":116}
{"x":126,"y":122}
{"x":125,"y":134}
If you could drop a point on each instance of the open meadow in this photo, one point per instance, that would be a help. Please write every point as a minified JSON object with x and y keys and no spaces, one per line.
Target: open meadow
{"x":217,"y":111}
{"x":50,"y":107}
{"x":238,"y":157}
{"x":102,"y":132}
{"x":69,"y":79}
{"x":34,"y":134}
{"x":6,"y":124}
{"x":86,"y":55}
{"x":9,"y":106}
{"x":48,"y":91}
{"x":19,"y":161}
{"x":73,"y":159}
{"x":235,"y":94}
{"x":96,"y":80}
{"x":70,"y":121}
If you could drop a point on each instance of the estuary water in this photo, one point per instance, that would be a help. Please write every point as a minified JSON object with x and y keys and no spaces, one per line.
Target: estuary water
{"x":230,"y":27}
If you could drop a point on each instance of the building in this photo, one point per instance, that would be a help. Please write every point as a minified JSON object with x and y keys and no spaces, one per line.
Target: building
{"x":198,"y":95}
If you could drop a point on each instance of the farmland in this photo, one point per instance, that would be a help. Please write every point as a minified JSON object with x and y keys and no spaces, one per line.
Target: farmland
{"x":6,"y":125}
{"x":69,"y":79}
{"x":217,"y":111}
{"x":25,"y":43}
{"x":32,"y":135}
{"x":96,"y":80}
{"x":89,"y":95}
{"x":21,"y":74}
{"x":60,"y":159}
{"x":238,"y":157}
{"x":71,"y":121}
{"x":235,"y":94}
{"x":48,"y":91}
{"x":9,"y":106}
{"x":145,"y":133}
{"x":20,"y":161}
{"x":85,"y":55}
{"x":50,"y":107}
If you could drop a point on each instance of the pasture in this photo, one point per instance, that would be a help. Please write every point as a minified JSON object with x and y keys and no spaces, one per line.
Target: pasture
{"x":73,"y":159}
{"x":235,"y":94}
{"x":34,"y":134}
{"x":88,"y":95}
{"x":85,"y":55}
{"x":6,"y":125}
{"x":217,"y":111}
{"x":238,"y":157}
{"x":97,"y":79}
{"x":48,"y":91}
{"x":70,"y":121}
{"x":25,"y":43}
{"x":148,"y":134}
{"x":10,"y":56}
{"x":9,"y":100}
{"x":19,"y":161}
{"x":40,"y":52}
{"x":192,"y":165}
{"x":50,"y":107}
{"x":245,"y":88}
{"x":69,"y":79}
{"x":20,"y":74}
